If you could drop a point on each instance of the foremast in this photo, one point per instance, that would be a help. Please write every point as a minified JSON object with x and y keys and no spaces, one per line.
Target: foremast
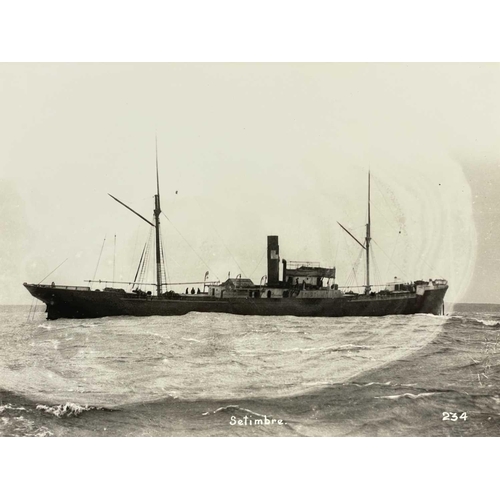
{"x":157,"y":212}
{"x":156,"y":225}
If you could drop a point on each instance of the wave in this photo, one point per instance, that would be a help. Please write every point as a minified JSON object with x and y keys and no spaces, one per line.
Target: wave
{"x":233,"y":408}
{"x":340,"y":348}
{"x":66,"y":326}
{"x":368,"y":384}
{"x":408,"y":395}
{"x":20,"y":426}
{"x":487,"y":322}
{"x":347,"y":347}
{"x":8,"y":406}
{"x":468,"y":319}
{"x":67,"y":409}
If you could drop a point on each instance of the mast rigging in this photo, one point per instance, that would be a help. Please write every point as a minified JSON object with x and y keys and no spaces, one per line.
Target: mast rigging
{"x":157,"y":213}
{"x":156,"y":225}
{"x":368,"y":239}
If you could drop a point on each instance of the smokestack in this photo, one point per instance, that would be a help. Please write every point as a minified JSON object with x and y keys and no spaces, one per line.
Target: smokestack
{"x":284,"y":271}
{"x":273,"y":261}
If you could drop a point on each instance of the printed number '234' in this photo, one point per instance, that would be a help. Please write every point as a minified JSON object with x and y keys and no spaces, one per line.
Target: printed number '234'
{"x":454,"y":416}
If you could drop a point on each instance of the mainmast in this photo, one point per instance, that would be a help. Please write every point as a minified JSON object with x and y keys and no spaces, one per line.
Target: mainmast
{"x":368,"y":239}
{"x":157,"y":213}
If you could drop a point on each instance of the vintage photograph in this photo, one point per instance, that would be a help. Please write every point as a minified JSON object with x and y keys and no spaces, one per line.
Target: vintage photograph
{"x":250,"y":249}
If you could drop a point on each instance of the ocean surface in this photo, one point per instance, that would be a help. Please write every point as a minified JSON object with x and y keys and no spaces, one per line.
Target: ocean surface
{"x":224,"y":375}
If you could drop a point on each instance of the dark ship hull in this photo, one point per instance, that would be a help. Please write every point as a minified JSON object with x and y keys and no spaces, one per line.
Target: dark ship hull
{"x":81,"y":302}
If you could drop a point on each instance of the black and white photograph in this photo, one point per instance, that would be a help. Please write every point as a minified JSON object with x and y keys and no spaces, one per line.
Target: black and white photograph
{"x":292,"y":249}
{"x":225,"y":224}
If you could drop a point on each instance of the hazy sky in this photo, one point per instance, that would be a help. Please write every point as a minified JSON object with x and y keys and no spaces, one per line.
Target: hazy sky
{"x":252,"y":150}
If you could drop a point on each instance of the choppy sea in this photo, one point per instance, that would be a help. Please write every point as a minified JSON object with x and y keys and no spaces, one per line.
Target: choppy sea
{"x":224,"y":375}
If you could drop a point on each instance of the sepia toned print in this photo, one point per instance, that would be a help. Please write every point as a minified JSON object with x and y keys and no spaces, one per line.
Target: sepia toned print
{"x":286,"y":250}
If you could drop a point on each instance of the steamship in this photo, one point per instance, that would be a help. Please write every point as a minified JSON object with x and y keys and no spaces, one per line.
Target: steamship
{"x":305,"y":289}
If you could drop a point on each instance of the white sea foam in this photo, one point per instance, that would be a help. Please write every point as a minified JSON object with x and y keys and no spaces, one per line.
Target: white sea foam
{"x":22,"y":426}
{"x":235,"y":407}
{"x":487,"y":322}
{"x":10,"y":407}
{"x":368,"y":384}
{"x":67,"y":409}
{"x":408,"y":395}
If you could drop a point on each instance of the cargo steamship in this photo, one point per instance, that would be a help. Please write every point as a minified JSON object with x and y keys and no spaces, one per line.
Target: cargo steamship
{"x":305,"y":289}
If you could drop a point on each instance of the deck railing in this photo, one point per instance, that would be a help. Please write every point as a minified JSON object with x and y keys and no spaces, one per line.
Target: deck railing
{"x":66,"y":287}
{"x":295,"y":264}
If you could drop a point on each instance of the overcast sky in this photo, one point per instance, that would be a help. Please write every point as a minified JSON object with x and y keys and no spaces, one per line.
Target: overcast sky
{"x":251,"y":150}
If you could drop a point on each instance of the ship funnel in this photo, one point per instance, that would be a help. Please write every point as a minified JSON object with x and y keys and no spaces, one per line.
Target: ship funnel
{"x":273,"y":261}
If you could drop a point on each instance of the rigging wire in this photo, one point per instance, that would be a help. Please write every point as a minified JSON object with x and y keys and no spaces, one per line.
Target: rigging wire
{"x":99,"y":259}
{"x":232,"y":256}
{"x":352,"y":278}
{"x":114,"y":258}
{"x":145,"y":263}
{"x":135,"y":248}
{"x":164,"y":270}
{"x":395,"y":225}
{"x":358,"y":263}
{"x":337,"y":251}
{"x":386,"y":219}
{"x":190,"y":246}
{"x":140,"y":263}
{"x":203,"y":210}
{"x":145,"y":270}
{"x":258,"y":264}
{"x":376,"y":271}
{"x":31,"y":308}
{"x":392,"y":254}
{"x":54,"y":270}
{"x":148,"y":257}
{"x":403,"y":273}
{"x":356,"y":266}
{"x":430,"y":267}
{"x":386,"y":202}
